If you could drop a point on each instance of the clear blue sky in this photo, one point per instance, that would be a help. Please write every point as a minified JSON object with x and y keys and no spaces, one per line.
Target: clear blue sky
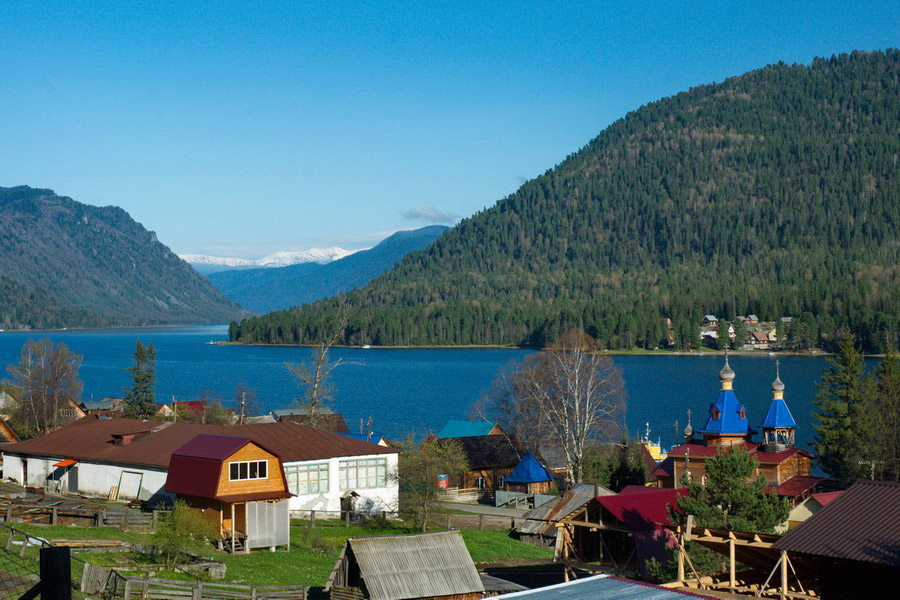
{"x":241,"y":128}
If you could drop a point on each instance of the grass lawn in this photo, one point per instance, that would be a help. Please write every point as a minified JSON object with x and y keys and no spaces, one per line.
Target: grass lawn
{"x":312,"y":556}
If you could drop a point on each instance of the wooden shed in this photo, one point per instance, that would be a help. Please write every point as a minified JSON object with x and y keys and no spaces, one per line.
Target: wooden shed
{"x":237,"y":484}
{"x":402,"y":567}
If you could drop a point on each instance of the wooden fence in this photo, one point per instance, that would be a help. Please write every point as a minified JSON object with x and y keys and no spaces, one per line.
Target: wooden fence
{"x":48,"y":510}
{"x":148,"y":588}
{"x":320,"y":518}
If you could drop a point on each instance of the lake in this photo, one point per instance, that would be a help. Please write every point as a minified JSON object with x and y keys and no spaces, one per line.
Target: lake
{"x":417,"y":390}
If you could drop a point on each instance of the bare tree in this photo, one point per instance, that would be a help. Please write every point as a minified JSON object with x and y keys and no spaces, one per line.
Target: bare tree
{"x":46,"y":379}
{"x":417,"y":474}
{"x":562,"y":400}
{"x":313,"y":376}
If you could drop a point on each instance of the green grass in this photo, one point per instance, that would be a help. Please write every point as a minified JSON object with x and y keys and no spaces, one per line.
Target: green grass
{"x":309,"y":562}
{"x":497,"y":546}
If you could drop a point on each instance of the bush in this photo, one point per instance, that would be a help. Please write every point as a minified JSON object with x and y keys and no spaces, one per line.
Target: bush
{"x":177,"y":530}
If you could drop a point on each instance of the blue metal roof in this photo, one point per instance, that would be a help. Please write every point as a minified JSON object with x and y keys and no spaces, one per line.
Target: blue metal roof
{"x":455,"y":429}
{"x":529,"y":470}
{"x":778,"y":416}
{"x":728,"y":411}
{"x":603,"y":587}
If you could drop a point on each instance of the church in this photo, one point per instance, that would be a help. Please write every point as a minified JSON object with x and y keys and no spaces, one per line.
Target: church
{"x":785,"y":467}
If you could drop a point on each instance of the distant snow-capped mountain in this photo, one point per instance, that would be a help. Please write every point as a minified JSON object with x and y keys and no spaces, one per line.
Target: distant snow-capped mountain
{"x":214,"y":264}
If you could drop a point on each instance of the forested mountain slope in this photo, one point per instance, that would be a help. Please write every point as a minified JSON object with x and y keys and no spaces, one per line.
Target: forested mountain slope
{"x":263,"y":290}
{"x":774,"y":193}
{"x":89,"y":265}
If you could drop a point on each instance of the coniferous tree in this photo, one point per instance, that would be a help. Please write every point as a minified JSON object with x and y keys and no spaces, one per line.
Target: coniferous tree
{"x":140,"y":398}
{"x":878,"y":427}
{"x":733,"y":497}
{"x":844,"y":391}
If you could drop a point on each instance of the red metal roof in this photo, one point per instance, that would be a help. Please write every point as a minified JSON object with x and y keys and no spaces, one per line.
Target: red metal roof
{"x":862,"y":524}
{"x":217,"y":447}
{"x":91,"y":439}
{"x":796,"y":485}
{"x":826,"y":498}
{"x":642,"y":511}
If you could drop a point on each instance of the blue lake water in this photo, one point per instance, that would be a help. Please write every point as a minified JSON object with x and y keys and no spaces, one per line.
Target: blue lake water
{"x":417,"y":391}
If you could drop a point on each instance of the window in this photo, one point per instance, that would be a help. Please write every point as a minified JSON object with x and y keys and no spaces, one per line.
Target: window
{"x":307,"y":479}
{"x":500,"y":481}
{"x":248,"y":469}
{"x":479,"y":483}
{"x":363,"y":473}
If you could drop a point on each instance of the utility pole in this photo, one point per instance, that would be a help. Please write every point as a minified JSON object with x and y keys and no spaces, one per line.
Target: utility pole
{"x":243,"y":400}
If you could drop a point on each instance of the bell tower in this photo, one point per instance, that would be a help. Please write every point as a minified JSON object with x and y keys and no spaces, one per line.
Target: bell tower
{"x":779,"y":426}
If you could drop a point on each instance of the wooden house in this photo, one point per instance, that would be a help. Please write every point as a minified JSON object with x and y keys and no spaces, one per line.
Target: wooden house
{"x":491,"y":458}
{"x":238,"y":485}
{"x":393,"y":567}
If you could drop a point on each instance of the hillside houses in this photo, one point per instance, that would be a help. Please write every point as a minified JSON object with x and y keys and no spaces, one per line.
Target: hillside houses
{"x":116,"y":457}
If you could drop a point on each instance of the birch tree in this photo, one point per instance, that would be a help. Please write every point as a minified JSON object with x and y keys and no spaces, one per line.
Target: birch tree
{"x":565,"y":399}
{"x":46,"y":380}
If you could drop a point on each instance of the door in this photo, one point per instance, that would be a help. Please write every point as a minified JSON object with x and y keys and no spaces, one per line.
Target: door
{"x":130,"y":485}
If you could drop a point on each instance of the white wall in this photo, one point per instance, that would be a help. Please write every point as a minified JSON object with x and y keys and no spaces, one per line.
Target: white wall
{"x":369,"y":500}
{"x":93,"y":479}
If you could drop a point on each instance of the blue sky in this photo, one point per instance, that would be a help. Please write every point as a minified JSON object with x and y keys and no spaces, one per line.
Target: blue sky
{"x":242,"y":128}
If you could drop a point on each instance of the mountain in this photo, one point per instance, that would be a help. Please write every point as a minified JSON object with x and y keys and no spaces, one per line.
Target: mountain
{"x":263,"y":290}
{"x":214,"y":264}
{"x":773,"y":193}
{"x":90,"y":266}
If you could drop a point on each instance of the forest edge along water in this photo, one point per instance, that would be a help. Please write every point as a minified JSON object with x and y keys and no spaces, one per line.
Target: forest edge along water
{"x":417,"y":390}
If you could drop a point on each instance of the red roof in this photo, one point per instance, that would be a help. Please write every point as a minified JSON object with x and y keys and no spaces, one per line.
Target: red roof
{"x":642,"y":511}
{"x":91,"y":439}
{"x":826,"y":498}
{"x":216,"y":447}
{"x":796,"y":485}
{"x":862,"y":524}
{"x":768,"y":458}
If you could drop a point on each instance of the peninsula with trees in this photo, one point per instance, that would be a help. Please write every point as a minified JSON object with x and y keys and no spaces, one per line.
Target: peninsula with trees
{"x":773,"y":193}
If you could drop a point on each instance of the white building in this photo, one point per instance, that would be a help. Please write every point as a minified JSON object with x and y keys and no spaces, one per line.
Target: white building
{"x":114,"y":457}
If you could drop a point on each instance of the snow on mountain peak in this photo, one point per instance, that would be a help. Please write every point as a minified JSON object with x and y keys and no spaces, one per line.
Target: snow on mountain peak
{"x":285,"y":258}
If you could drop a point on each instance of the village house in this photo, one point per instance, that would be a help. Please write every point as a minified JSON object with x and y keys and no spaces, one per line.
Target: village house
{"x":325,"y":419}
{"x":238,"y":485}
{"x":785,"y":467}
{"x":120,"y":458}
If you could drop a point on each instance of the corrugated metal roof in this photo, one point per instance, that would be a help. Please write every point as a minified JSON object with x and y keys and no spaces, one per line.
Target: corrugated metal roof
{"x":541,"y":519}
{"x":642,"y":511}
{"x":796,"y":485}
{"x":91,"y":439}
{"x":455,"y":429}
{"x":862,"y":524}
{"x":216,"y":447}
{"x":420,"y":565}
{"x":603,"y":587}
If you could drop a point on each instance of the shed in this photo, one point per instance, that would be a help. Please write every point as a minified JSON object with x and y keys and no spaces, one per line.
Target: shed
{"x":529,"y":476}
{"x":854,"y":541}
{"x":539,"y":525}
{"x":402,"y":567}
{"x":237,"y":484}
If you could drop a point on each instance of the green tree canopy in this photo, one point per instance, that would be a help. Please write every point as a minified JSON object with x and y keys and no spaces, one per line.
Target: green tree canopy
{"x":140,"y":398}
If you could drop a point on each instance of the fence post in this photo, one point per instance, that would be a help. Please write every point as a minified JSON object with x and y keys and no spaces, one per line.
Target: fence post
{"x":53,"y":516}
{"x":448,"y":521}
{"x":312,"y":519}
{"x":155,"y":520}
{"x":480,"y":522}
{"x":512,"y":522}
{"x":347,"y":519}
{"x":127,"y":595}
{"x":56,"y":573}
{"x":9,"y":511}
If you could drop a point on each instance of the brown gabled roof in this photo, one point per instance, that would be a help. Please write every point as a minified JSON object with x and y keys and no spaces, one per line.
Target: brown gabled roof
{"x":492,"y":451}
{"x":862,"y":524}
{"x":91,"y":439}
